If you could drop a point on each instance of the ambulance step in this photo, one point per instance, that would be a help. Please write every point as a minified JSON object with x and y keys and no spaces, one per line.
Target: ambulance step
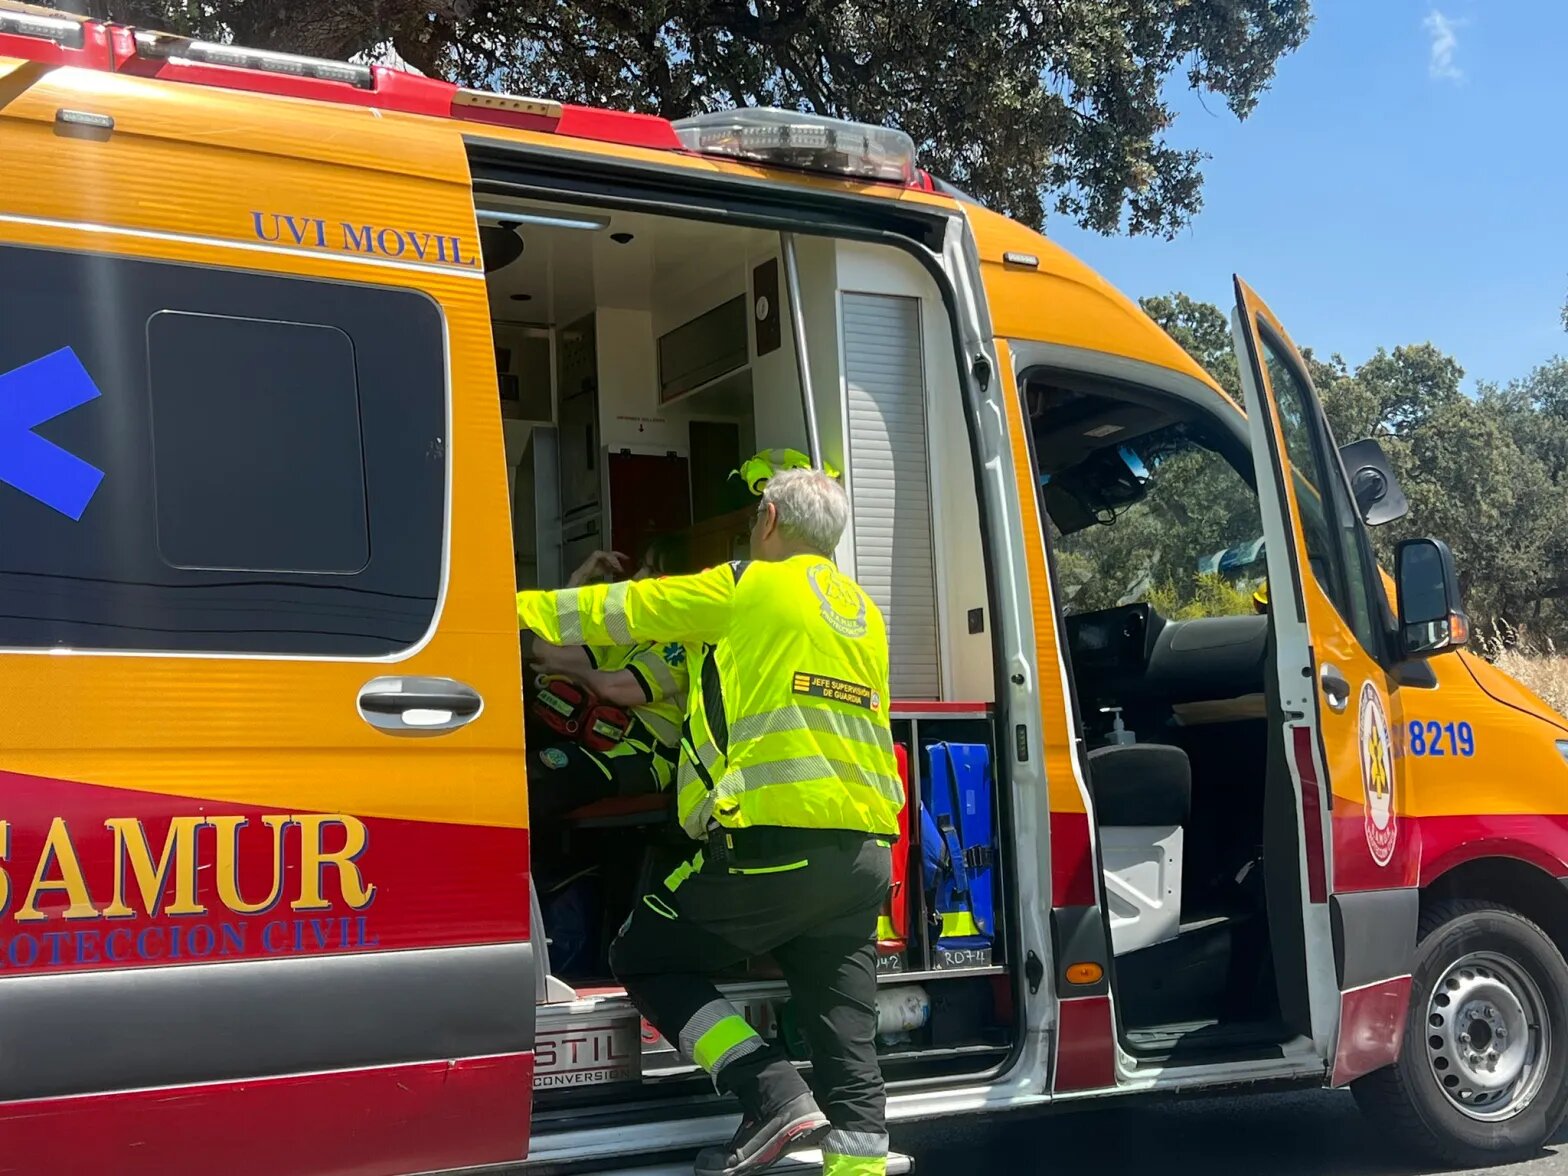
{"x":800,"y":1164}
{"x":601,"y":1039}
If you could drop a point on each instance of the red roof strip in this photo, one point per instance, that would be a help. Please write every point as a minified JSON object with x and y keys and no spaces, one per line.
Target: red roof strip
{"x":113,"y":47}
{"x":94,"y":53}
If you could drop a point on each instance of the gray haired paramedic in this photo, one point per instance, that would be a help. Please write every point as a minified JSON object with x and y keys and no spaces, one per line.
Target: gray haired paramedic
{"x":789,"y":781}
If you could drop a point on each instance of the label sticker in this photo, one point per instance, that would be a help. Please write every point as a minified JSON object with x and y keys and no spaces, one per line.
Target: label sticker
{"x":836,"y":689}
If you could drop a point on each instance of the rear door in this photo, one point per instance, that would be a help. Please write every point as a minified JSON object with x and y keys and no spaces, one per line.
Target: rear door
{"x":262,"y":819}
{"x":1340,"y":707}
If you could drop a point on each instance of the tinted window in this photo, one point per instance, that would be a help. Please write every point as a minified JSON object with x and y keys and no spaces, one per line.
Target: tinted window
{"x":1334,"y":549}
{"x":287,"y":492}
{"x":271,"y":450}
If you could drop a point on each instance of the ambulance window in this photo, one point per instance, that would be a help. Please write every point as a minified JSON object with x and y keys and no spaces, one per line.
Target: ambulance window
{"x":1334,"y":549}
{"x":287,"y":492}
{"x":195,"y":459}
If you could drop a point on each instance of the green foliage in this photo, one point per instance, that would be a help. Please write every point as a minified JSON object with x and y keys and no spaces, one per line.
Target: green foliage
{"x":1486,"y":473}
{"x":1039,"y":105}
{"x":1210,"y":595}
{"x":1203,"y":331}
{"x":1197,"y":505}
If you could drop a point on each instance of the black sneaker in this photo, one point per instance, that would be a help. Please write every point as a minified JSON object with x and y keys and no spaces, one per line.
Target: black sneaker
{"x":761,"y":1143}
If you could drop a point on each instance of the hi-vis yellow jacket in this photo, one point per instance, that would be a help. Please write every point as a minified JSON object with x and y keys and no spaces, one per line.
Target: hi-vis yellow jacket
{"x":787,"y":722}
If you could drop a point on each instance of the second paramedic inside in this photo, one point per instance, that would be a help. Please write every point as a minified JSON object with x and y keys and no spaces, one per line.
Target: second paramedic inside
{"x":645,"y":685}
{"x":788,"y":780}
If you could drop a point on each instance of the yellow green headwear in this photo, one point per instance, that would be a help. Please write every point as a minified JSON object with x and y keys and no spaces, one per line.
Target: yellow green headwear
{"x":755,"y":471}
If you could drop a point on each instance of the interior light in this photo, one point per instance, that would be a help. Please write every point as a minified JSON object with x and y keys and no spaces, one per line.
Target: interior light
{"x":49,"y":28}
{"x":551,"y":220}
{"x":807,"y":141}
{"x":172,"y":48}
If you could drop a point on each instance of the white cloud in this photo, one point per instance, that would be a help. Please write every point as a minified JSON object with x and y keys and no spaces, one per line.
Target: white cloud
{"x":1444,"y":31}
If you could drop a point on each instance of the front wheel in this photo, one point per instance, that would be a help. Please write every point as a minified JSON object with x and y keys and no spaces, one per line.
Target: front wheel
{"x":1482,"y":1076}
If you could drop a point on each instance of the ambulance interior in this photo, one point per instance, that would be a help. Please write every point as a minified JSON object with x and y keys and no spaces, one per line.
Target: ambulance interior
{"x":641,"y":359}
{"x":1156,"y":538}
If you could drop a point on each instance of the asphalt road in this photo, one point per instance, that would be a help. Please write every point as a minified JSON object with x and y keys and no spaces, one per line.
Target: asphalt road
{"x":1315,"y":1133}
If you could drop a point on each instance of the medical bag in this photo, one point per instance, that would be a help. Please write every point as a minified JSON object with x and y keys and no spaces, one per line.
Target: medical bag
{"x":893,"y":925}
{"x":959,"y":851}
{"x":562,"y":706}
{"x":575,"y":713}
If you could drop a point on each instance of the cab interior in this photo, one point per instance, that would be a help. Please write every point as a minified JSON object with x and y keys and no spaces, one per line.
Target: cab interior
{"x":1156,"y":540}
{"x":640,"y":359}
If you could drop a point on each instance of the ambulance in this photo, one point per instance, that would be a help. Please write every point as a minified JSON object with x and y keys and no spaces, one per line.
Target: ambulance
{"x":305,"y":367}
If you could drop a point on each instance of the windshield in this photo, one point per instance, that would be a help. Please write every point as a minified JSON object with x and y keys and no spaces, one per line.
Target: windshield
{"x":1190,"y":545}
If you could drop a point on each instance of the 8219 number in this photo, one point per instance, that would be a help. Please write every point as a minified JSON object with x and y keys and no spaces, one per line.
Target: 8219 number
{"x":1434,"y":738}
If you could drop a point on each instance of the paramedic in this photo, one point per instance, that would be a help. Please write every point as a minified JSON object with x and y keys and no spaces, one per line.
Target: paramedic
{"x":646,"y":680}
{"x":788,"y":779}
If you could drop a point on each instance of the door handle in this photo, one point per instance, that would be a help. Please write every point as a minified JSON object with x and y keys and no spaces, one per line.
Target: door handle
{"x":418,"y":706}
{"x":1336,"y":688}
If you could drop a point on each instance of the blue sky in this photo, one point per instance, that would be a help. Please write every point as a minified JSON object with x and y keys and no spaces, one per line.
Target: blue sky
{"x":1404,"y":180}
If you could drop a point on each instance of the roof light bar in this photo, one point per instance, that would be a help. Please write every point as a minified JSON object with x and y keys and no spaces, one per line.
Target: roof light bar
{"x":172,"y":48}
{"x":806,"y":141}
{"x":64,"y":32}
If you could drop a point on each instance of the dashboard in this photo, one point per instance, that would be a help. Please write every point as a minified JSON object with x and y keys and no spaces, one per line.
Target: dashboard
{"x":1132,"y":654}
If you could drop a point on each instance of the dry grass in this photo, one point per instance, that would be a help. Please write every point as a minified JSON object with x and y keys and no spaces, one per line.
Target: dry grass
{"x":1538,"y":665}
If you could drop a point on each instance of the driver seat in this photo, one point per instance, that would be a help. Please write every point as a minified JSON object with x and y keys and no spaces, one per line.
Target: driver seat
{"x":1142,"y":801}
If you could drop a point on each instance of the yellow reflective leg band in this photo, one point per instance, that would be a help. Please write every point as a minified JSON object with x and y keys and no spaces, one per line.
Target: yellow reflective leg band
{"x":709,"y":1049}
{"x":957,"y":924}
{"x":833,"y":1165}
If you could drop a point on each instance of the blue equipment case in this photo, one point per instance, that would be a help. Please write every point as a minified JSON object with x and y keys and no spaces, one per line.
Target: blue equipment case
{"x":957,"y":835}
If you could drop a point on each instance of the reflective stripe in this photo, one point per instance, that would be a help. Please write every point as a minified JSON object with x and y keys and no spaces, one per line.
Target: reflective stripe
{"x":855,"y":1143}
{"x":569,"y":617}
{"x":659,"y":907}
{"x":654,"y":663}
{"x":727,"y":1038}
{"x":615,"y":622}
{"x":700,"y":1022}
{"x":840,"y":1165}
{"x":666,"y":732}
{"x":808,"y":769}
{"x":800,"y":865}
{"x":843,"y":724}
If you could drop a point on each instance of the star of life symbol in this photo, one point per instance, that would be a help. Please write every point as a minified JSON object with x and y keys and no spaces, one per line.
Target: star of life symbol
{"x":1377,"y":776}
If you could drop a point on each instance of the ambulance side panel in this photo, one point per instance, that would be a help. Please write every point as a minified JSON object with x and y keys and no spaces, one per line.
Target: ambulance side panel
{"x":263,"y":843}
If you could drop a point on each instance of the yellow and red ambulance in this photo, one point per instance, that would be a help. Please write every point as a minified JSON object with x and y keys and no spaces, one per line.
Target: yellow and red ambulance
{"x":306,"y":366}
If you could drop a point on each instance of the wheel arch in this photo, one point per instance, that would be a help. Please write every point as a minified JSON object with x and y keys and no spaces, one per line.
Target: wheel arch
{"x":1512,"y":881}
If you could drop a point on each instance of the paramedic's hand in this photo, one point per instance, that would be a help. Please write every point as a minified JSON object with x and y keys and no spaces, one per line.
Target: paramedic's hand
{"x":601,"y":565}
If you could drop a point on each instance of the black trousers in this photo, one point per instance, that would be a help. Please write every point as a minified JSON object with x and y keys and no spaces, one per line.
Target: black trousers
{"x":811,"y":899}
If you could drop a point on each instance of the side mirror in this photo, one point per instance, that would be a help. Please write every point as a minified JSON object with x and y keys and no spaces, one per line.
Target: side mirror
{"x":1372,"y":482}
{"x":1431,"y":619}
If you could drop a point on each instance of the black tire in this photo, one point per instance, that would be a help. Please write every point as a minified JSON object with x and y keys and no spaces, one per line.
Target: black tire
{"x":1405,"y":1099}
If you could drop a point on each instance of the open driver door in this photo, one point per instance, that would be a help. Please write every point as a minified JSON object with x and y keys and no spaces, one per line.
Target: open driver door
{"x":1339,"y":706}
